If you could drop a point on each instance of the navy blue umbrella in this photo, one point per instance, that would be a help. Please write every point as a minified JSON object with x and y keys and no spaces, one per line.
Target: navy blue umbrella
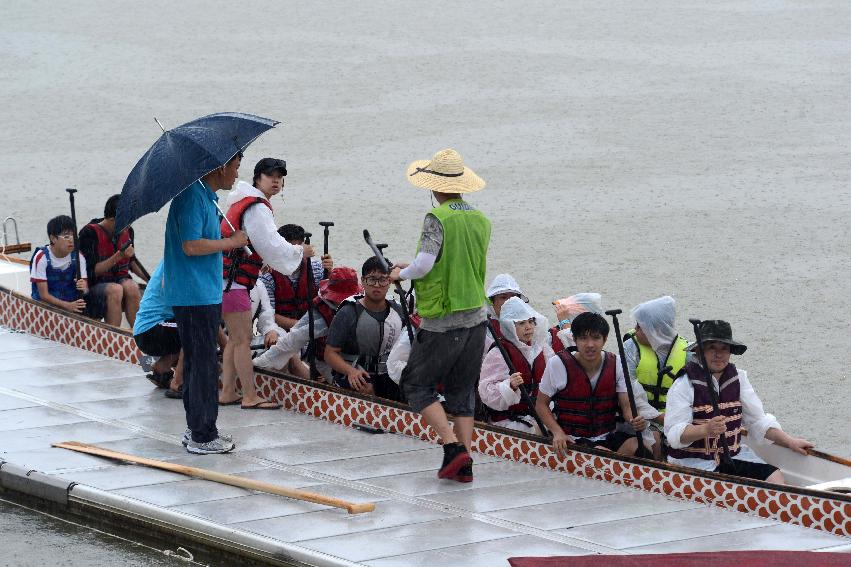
{"x":183,"y":155}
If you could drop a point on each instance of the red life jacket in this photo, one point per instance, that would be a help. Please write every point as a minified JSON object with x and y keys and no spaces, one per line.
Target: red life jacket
{"x":327,"y":313}
{"x":729,"y":405}
{"x":292,"y":301}
{"x":531,"y":379}
{"x":557,"y":345}
{"x":580,"y":411}
{"x":238,"y":266}
{"x":107,"y":246}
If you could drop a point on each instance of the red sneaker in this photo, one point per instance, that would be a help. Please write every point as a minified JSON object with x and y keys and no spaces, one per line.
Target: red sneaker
{"x":455,"y":457}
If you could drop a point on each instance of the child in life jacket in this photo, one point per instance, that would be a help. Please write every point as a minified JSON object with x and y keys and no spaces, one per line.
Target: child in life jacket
{"x":341,"y":284}
{"x":587,"y":387}
{"x":528,"y":351}
{"x":53,"y":273}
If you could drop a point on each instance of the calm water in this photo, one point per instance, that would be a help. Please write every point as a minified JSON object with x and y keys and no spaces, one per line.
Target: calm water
{"x":636,"y":149}
{"x":32,"y":539}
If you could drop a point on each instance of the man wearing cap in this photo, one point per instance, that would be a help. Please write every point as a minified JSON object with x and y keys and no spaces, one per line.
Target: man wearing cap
{"x":341,"y":284}
{"x":693,"y":428}
{"x":448,"y":275}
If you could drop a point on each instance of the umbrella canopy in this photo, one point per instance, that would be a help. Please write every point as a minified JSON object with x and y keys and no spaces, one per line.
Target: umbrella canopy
{"x":183,"y":155}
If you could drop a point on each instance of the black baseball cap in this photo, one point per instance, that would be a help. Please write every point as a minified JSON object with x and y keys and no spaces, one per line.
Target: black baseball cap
{"x":268,"y":165}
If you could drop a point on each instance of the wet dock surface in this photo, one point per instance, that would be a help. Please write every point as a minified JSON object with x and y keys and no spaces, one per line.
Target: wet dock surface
{"x":50,"y":393}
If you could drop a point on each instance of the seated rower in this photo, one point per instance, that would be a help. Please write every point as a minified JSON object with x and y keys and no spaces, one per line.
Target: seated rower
{"x":566,"y":311}
{"x":341,"y":284}
{"x":502,"y":288}
{"x":362,"y":333}
{"x":692,"y":427}
{"x":529,"y":352}
{"x":155,"y":333}
{"x":587,"y":387}
{"x":110,"y":258}
{"x":53,"y":269}
{"x":290,"y":294}
{"x":652,"y":345}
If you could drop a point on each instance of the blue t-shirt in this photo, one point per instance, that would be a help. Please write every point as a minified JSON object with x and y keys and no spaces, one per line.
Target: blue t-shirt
{"x":152,"y":309}
{"x":192,"y":280}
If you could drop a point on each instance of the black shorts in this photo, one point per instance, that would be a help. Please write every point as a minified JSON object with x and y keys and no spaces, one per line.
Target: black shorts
{"x":454,"y":358}
{"x":612,"y":442}
{"x":747,"y":469}
{"x":96,"y":301}
{"x":160,"y":340}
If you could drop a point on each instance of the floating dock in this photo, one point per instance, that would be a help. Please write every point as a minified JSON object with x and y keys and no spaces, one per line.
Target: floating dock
{"x":50,"y":392}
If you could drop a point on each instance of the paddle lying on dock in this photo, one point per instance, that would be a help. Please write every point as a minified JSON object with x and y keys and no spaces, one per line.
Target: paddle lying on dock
{"x":241,"y":482}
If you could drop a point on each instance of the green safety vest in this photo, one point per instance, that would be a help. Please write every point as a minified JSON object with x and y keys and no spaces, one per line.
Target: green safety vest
{"x":647,"y":371}
{"x":456,"y":282}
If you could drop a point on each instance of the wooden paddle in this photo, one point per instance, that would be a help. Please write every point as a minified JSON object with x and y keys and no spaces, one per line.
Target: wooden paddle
{"x":829,"y":457}
{"x":241,"y":482}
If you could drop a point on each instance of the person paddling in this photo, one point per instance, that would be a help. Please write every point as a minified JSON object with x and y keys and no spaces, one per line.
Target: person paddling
{"x":448,"y":275}
{"x":693,"y":428}
{"x":502,"y":288}
{"x":528,"y":351}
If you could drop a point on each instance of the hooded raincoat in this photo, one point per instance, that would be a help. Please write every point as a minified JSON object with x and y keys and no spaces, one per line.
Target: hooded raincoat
{"x":494,"y":381}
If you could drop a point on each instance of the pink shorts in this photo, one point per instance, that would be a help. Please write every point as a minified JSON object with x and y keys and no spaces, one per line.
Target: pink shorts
{"x":236,"y":301}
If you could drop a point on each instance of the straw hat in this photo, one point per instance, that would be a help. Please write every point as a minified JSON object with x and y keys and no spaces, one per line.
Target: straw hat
{"x":444,"y":173}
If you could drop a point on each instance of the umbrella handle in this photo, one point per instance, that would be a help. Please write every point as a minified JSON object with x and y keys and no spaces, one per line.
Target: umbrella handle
{"x":246,"y":249}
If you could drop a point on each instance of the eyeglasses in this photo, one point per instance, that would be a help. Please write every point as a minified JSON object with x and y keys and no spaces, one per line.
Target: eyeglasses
{"x":65,"y":236}
{"x":377,"y":281}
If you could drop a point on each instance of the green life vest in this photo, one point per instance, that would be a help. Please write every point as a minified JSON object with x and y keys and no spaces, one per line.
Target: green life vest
{"x":647,"y":371}
{"x":456,"y":282}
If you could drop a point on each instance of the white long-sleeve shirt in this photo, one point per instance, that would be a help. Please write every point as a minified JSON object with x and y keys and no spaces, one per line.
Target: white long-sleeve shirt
{"x":259,"y":224}
{"x":679,"y":415}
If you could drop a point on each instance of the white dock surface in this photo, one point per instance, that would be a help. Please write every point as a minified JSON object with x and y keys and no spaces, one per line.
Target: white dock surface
{"x":50,"y":392}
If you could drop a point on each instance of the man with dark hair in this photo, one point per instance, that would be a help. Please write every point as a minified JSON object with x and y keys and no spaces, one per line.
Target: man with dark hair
{"x":588,"y":387}
{"x":362,"y":333}
{"x":53,"y":268}
{"x":448,"y":275}
{"x":110,"y":258}
{"x":290,"y":294}
{"x":192,"y":287}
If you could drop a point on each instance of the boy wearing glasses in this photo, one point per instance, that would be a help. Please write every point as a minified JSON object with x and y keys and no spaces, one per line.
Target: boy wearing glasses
{"x":52,"y":269}
{"x":362,"y":334}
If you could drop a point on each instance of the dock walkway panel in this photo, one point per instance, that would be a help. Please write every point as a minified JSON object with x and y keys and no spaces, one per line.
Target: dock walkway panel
{"x":51,"y":392}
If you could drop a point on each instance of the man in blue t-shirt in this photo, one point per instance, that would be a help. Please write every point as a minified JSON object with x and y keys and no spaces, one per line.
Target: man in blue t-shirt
{"x":192,"y":287}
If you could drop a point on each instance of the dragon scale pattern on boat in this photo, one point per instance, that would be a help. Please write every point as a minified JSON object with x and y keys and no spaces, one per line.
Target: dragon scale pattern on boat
{"x":831,"y":515}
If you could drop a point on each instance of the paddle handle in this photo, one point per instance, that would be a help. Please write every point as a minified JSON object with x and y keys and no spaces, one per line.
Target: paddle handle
{"x":238,"y":481}
{"x":613,"y":313}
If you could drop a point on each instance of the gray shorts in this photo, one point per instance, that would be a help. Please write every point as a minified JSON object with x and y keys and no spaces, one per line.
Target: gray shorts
{"x":453,"y":358}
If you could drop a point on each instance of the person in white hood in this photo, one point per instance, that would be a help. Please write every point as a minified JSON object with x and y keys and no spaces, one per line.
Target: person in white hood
{"x":502,"y":288}
{"x":249,"y":210}
{"x":566,"y":310}
{"x":529,"y":351}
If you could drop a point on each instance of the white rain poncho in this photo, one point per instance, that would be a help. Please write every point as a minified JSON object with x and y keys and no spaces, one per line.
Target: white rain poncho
{"x":515,"y":309}
{"x":504,"y":283}
{"x":580,"y":303}
{"x":656,"y":319}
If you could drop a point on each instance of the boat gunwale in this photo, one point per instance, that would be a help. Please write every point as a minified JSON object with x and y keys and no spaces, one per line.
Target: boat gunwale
{"x":643,"y":465}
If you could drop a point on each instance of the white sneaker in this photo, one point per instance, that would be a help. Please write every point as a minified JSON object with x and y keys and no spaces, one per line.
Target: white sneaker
{"x":187,"y":437}
{"x":217,"y":445}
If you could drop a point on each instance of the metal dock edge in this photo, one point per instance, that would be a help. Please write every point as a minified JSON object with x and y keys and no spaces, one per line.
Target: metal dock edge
{"x":117,"y":512}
